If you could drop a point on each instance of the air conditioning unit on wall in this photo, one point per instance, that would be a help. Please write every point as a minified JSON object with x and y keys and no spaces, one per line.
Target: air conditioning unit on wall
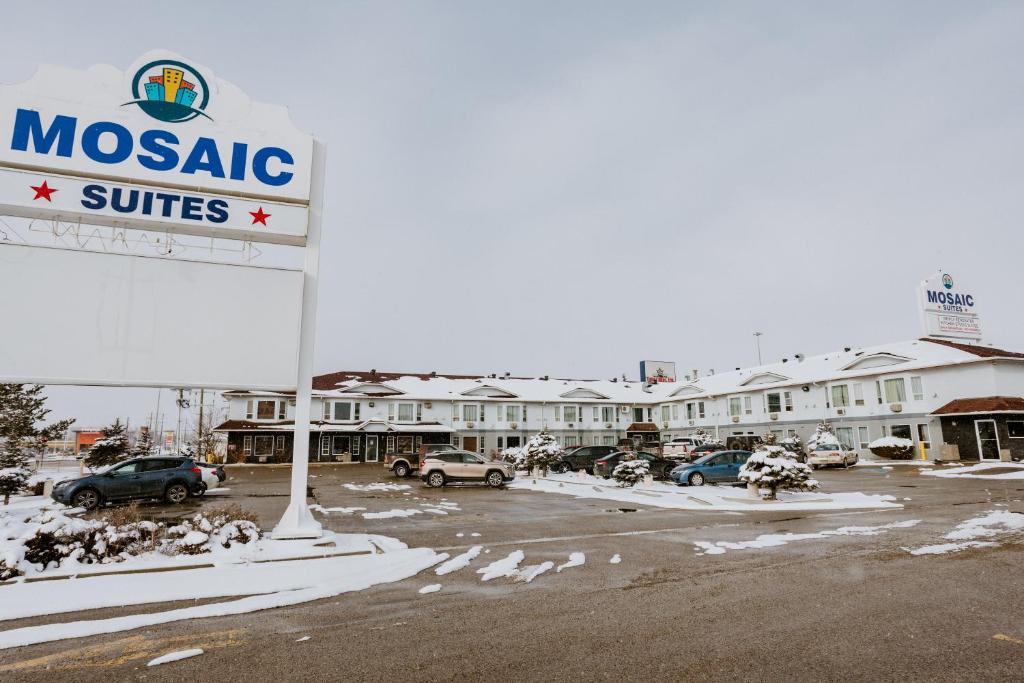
{"x":896,"y":407}
{"x":623,"y":409}
{"x":840,"y":411}
{"x":735,"y":418}
{"x":514,"y":425}
{"x":607,"y":425}
{"x":773,"y":416}
{"x":690,"y":422}
{"x":470,"y":425}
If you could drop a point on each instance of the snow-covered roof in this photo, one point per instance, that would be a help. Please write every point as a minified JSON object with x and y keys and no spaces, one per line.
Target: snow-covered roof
{"x":905,"y":356}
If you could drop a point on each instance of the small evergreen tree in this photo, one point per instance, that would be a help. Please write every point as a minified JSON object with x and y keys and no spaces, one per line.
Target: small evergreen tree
{"x":631,"y":471}
{"x":542,"y":451}
{"x":772,"y":467}
{"x":144,"y":445}
{"x":823,"y":435}
{"x":21,"y":411}
{"x":111,"y":449}
{"x":702,"y":437}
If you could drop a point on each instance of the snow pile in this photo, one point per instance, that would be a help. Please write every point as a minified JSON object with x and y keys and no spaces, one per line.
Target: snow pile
{"x":459,"y":561}
{"x":390,"y":514}
{"x":892,"y":447}
{"x":979,"y":471}
{"x":773,"y":540}
{"x":506,"y":566}
{"x":575,"y":560}
{"x":631,"y":472}
{"x":432,"y":588}
{"x":175,"y":656}
{"x":202,"y":534}
{"x":528,"y":574}
{"x":773,"y":467}
{"x":710,"y":498}
{"x":377,"y":486}
{"x":616,"y":559}
{"x":995,"y":524}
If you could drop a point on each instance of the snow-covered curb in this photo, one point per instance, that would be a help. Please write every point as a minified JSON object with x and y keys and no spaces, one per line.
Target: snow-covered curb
{"x":710,"y":498}
{"x":993,"y":526}
{"x":978,"y":471}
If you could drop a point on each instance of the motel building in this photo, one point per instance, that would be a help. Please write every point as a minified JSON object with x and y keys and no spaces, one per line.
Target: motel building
{"x":932,"y":391}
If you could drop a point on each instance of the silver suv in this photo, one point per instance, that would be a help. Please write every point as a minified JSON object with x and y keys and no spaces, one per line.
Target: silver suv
{"x":439,"y":469}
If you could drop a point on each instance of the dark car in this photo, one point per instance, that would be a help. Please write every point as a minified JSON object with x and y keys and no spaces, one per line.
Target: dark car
{"x":659,"y":467}
{"x":705,"y":448}
{"x":714,"y":468}
{"x":582,"y":458}
{"x":172,"y":478}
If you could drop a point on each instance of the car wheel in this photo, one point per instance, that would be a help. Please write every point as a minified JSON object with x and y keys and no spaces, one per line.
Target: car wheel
{"x":696,"y":479}
{"x":435,"y":479}
{"x":176,"y":493}
{"x":202,"y":488}
{"x":401,"y":470}
{"x":86,"y":498}
{"x":562,"y":468}
{"x":495,"y":480}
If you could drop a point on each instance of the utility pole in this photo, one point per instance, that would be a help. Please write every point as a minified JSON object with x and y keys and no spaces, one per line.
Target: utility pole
{"x":757,"y":344}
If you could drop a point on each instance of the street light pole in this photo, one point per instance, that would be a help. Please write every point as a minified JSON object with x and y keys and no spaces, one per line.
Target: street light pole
{"x":757,"y":343}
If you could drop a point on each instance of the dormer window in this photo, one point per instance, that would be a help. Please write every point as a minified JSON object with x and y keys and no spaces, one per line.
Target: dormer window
{"x":266,"y":409}
{"x":341,"y":411}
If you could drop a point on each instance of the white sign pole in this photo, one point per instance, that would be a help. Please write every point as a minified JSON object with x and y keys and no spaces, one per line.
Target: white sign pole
{"x":298,"y":521}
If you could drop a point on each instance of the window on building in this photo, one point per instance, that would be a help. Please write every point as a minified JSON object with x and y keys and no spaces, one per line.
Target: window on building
{"x":675,"y":411}
{"x":774,"y":403}
{"x":501,"y":443}
{"x":569,"y":413}
{"x":858,"y":394}
{"x":404,"y":444}
{"x":840,"y":395}
{"x":482,"y":416}
{"x":524,"y":414}
{"x":455,"y":413}
{"x":788,"y":396}
{"x":280,"y":443}
{"x":570,"y":441}
{"x":735,"y":407}
{"x":248,"y":410}
{"x":608,"y":440}
{"x":558,"y":413}
{"x":247,"y":445}
{"x":666,"y":413}
{"x":608,"y":413}
{"x":512,"y":413}
{"x":419,"y":412}
{"x":863,"y":436}
{"x":878,"y":392}
{"x":343,"y":410}
{"x":895,"y":391}
{"x":690,"y":410}
{"x":917,"y":388}
{"x":325,"y":446}
{"x":1015,"y":428}
{"x":469,"y":412}
{"x":650,"y":414}
{"x":391,"y":444}
{"x":747,"y":405}
{"x":266,"y":410}
{"x":901,"y":432}
{"x":845,"y":436}
{"x":700,"y":409}
{"x":406,"y":412}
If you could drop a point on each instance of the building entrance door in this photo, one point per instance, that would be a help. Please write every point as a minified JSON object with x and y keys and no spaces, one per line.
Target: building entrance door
{"x":469,"y":443}
{"x":371,"y":449}
{"x":988,"y":439}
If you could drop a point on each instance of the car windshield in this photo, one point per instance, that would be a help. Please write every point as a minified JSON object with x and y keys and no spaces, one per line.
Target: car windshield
{"x":828,"y":447}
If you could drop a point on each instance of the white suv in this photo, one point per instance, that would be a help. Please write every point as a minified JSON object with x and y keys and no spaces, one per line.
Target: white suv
{"x":441,"y":468}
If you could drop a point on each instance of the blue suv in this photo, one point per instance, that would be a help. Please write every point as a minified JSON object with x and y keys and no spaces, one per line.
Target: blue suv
{"x":723,"y":466}
{"x":172,"y":478}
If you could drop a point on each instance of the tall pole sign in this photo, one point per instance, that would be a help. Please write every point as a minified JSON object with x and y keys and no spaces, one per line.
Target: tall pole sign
{"x":947,"y":308}
{"x":164,"y":147}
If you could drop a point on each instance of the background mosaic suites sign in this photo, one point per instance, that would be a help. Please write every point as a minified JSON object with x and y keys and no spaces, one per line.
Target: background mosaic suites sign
{"x":948,"y":308}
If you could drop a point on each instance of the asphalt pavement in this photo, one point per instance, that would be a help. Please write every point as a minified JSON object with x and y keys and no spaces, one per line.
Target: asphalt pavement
{"x":839,"y":607}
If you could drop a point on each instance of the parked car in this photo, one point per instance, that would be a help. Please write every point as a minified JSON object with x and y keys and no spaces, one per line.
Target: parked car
{"x":404,"y":464}
{"x":583,"y":457}
{"x":832,"y":454}
{"x":212,"y":475}
{"x":446,"y":467}
{"x":713,"y":468}
{"x":704,"y":449}
{"x":659,"y":467}
{"x":679,"y":448}
{"x":173,"y":478}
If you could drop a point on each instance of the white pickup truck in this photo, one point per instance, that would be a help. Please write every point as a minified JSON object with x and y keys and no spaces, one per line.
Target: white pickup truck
{"x":679,"y":448}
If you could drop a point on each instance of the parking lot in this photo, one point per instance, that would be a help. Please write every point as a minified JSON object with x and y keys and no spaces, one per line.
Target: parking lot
{"x":824,"y":607}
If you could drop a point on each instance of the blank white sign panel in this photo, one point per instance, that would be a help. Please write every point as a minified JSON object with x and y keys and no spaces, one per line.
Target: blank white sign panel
{"x":86,"y":318}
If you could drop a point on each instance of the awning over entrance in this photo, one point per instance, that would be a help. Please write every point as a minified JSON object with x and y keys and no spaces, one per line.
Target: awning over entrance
{"x":982,"y":406}
{"x":642,"y":427}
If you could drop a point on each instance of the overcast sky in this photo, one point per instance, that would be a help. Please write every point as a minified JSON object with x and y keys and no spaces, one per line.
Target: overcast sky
{"x":568,"y":188}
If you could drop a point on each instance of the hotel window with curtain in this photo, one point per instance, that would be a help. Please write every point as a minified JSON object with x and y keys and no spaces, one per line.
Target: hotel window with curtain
{"x":895,"y":390}
{"x":917,"y":388}
{"x":840,"y":397}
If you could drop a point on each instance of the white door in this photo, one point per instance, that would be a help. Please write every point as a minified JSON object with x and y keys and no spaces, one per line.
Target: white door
{"x":988,"y":439}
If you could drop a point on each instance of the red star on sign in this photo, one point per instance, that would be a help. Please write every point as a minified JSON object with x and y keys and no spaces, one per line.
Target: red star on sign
{"x":43,"y":191}
{"x":259,"y":217}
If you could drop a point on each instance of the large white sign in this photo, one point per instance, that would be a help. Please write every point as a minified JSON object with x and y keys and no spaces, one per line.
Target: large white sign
{"x":657,"y":371}
{"x":111,"y":319}
{"x":948,"y":309}
{"x":164,"y":123}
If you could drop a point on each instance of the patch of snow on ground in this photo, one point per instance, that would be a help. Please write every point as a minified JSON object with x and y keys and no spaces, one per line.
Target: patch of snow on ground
{"x":432,"y":588}
{"x":575,"y":560}
{"x":715,"y":498}
{"x":341,"y":511}
{"x":773,"y":540}
{"x":475,"y":534}
{"x":175,"y":656}
{"x":992,"y":525}
{"x":504,"y":567}
{"x":528,"y":574}
{"x":616,"y":558}
{"x":388,"y":514}
{"x":377,"y":486}
{"x":978,"y":471}
{"x":302,"y":639}
{"x":459,"y":561}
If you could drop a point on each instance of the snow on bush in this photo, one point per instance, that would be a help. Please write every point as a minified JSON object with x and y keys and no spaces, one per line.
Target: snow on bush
{"x":515,"y":456}
{"x":892,"y":447}
{"x":793,"y":444}
{"x":701,"y":438}
{"x":772,"y":467}
{"x":542,"y":452}
{"x":56,"y":538}
{"x":631,"y":472}
{"x":823,"y":436}
{"x":218,"y":528}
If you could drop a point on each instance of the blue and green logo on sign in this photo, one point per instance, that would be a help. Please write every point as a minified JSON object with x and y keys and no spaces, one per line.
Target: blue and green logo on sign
{"x":947,"y":281}
{"x":170,"y":91}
